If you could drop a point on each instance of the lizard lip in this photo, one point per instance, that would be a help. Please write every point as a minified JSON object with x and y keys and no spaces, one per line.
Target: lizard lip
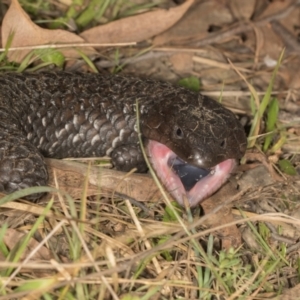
{"x":185,"y":181}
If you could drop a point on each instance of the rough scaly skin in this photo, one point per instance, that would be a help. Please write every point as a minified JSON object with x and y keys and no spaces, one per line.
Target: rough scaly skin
{"x":83,"y":115}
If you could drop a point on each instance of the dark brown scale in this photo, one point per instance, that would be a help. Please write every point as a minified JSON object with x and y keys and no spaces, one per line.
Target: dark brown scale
{"x":82,"y":115}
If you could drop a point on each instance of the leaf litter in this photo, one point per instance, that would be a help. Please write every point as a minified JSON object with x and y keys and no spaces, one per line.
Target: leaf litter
{"x":195,"y":38}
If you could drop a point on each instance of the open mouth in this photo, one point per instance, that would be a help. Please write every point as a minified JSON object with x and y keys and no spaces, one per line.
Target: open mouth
{"x":185,"y":181}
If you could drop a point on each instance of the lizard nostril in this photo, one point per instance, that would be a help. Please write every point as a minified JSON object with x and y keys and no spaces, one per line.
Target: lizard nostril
{"x":223,"y":144}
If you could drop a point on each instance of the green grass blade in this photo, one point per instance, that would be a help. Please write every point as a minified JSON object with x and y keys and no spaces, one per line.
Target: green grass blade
{"x":263,"y":105}
{"x":191,"y":83}
{"x":37,"y":284}
{"x":51,"y":56}
{"x":272,"y":116}
{"x":26,"y":192}
{"x":88,"y":61}
{"x":287,"y":167}
{"x":7,"y":46}
{"x":21,"y":246}
{"x":3,"y":247}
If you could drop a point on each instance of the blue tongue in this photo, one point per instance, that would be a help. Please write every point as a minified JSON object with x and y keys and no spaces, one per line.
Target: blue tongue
{"x":188,"y":174}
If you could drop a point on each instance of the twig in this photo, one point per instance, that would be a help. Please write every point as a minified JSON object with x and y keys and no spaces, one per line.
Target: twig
{"x":71,"y":45}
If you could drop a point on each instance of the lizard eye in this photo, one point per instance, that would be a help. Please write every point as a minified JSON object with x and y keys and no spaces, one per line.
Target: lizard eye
{"x":179,"y":133}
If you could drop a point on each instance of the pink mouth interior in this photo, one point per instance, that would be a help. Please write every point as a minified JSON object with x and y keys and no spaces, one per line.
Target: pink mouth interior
{"x":162,"y":158}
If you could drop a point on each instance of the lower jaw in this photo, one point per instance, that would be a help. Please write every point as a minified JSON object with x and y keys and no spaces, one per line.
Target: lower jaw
{"x":160,"y":155}
{"x":210,"y":184}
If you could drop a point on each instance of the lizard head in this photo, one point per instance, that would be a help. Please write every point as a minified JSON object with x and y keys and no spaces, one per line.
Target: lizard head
{"x":193,"y":145}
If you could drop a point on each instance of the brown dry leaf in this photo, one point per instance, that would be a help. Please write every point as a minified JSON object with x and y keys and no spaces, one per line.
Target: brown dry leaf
{"x":12,"y":237}
{"x":182,"y":62}
{"x":289,"y":294}
{"x":275,"y":7}
{"x":136,"y":28}
{"x":292,"y":22}
{"x":230,"y":235}
{"x":252,"y":155}
{"x":295,"y":75}
{"x":271,"y":43}
{"x":242,"y":10}
{"x":255,"y":177}
{"x":26,"y":33}
{"x":290,"y":75}
{"x":196,"y":22}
